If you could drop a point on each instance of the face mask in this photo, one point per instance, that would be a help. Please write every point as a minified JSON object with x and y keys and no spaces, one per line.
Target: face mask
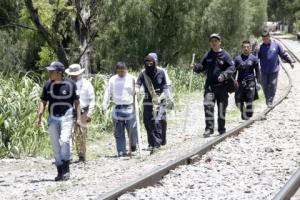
{"x":150,"y":70}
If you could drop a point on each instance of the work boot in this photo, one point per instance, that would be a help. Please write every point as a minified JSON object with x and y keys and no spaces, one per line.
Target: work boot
{"x":81,"y":159}
{"x":221,"y":132}
{"x":133,"y":148}
{"x":66,"y":170}
{"x":154,"y":150}
{"x":59,"y":176}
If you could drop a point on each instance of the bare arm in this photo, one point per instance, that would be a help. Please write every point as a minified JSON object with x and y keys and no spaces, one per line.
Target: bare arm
{"x":42,"y":107}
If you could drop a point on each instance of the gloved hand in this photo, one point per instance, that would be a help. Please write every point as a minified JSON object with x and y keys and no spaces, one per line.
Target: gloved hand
{"x":170,"y":104}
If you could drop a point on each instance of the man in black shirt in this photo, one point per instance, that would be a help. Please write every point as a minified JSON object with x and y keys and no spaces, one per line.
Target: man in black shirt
{"x":62,"y":96}
{"x":157,"y":94}
{"x":219,"y":68}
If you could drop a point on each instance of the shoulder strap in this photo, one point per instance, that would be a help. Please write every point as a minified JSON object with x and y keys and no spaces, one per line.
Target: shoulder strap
{"x":150,"y":87}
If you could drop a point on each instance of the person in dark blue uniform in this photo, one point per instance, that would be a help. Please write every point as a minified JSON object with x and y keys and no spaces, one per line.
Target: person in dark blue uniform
{"x":247,"y":71}
{"x":157,"y":94}
{"x":268,"y":55}
{"x":62,"y":96}
{"x":219,"y":68}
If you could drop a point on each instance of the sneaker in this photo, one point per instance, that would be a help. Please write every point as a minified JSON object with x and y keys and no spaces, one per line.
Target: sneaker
{"x":207,"y":133}
{"x":122,"y":154}
{"x":269,"y":104}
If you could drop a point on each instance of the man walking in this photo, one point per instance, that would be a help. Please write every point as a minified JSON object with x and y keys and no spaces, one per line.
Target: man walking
{"x":62,"y":95}
{"x":157,"y":94}
{"x":87,"y":105}
{"x":219,"y":68}
{"x":247,"y":72}
{"x":268,"y":53}
{"x":169,"y":85}
{"x":121,"y":87}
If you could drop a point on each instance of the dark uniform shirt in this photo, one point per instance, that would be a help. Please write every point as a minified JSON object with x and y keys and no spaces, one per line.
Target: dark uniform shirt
{"x":245,"y":66}
{"x":60,"y":95}
{"x":158,"y":81}
{"x":215,"y":64}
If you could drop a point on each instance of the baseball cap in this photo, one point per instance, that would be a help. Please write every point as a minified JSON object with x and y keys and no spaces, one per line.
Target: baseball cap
{"x":56,"y":66}
{"x":149,"y":58}
{"x":215,"y":35}
{"x":154,"y":55}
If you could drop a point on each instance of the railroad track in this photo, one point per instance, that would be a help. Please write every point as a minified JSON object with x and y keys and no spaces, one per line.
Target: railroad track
{"x":291,"y":53}
{"x":158,"y":173}
{"x":293,"y":185}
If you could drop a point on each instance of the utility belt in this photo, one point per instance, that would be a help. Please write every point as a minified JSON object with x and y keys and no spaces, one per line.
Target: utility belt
{"x":246,"y":82}
{"x":123,"y":106}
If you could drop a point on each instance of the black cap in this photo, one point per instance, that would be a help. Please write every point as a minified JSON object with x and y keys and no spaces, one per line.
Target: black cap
{"x":121,"y":65}
{"x":215,"y":35}
{"x":265,"y":34}
{"x":56,"y":66}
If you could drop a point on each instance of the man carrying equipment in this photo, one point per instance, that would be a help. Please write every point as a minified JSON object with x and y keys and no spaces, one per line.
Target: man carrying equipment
{"x":87,"y":105}
{"x":157,"y":94}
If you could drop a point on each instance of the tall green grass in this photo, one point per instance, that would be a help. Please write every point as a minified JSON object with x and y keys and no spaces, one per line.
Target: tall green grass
{"x":19,"y":97}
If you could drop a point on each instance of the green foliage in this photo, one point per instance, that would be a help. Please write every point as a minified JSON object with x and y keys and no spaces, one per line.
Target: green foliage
{"x":285,"y":11}
{"x":47,"y":55}
{"x":12,"y":53}
{"x":18,"y":113}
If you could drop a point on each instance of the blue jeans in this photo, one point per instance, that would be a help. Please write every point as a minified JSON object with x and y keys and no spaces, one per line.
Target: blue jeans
{"x":269,"y":85}
{"x":60,"y":130}
{"x":124,"y":118}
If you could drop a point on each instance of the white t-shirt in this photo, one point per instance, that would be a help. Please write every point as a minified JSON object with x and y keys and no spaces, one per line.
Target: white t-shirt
{"x":121,"y":89}
{"x":86,"y":94}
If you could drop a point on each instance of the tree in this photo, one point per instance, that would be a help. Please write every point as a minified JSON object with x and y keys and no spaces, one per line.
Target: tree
{"x":90,"y":17}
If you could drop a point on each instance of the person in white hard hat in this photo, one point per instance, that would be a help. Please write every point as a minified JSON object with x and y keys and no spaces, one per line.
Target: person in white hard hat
{"x":87,"y":105}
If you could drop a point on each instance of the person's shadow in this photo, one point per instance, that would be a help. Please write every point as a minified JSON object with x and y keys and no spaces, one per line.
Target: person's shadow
{"x":42,"y":180}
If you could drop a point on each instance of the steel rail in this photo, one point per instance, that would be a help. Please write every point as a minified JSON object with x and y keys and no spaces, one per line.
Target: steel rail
{"x":290,"y":188}
{"x":152,"y":177}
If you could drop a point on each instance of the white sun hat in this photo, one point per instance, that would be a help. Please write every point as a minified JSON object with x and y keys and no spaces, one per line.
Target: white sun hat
{"x":74,"y":70}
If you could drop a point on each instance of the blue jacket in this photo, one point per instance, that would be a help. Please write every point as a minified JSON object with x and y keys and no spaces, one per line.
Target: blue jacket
{"x":268,"y":56}
{"x":247,"y":67}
